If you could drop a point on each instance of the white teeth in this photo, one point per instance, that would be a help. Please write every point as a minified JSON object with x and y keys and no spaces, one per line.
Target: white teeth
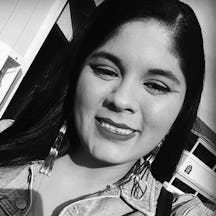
{"x":115,"y":129}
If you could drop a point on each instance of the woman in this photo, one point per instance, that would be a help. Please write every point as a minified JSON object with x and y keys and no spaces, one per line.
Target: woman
{"x":132,"y":100}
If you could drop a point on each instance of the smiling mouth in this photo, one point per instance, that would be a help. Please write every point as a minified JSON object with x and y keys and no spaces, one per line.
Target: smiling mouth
{"x":119,"y":129}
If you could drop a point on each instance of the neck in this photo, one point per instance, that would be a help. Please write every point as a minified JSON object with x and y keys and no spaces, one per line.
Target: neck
{"x":93,"y":172}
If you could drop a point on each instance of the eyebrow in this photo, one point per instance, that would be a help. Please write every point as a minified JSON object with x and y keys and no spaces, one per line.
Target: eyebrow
{"x":166,"y":73}
{"x":109,"y":56}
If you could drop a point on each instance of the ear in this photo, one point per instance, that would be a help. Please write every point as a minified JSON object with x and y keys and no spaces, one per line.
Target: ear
{"x":5,"y":123}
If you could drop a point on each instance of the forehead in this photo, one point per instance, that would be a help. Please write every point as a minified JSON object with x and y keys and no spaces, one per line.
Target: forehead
{"x":143,"y":42}
{"x":145,"y":32}
{"x":151,"y":27}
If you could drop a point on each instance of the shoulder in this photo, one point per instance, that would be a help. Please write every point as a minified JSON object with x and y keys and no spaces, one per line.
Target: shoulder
{"x":13,"y":175}
{"x":16,"y":175}
{"x":189,"y":205}
{"x":16,"y":188}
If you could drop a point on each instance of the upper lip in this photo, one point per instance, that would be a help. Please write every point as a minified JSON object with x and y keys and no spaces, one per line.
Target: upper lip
{"x":110,"y":121}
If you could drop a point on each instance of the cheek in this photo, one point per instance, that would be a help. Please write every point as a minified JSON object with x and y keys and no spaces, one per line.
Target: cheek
{"x":85,"y":92}
{"x":162,"y":113}
{"x":88,"y":98}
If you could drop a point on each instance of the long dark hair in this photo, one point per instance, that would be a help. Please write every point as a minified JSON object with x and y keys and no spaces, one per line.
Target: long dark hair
{"x":187,"y":45}
{"x":37,"y":109}
{"x":37,"y":106}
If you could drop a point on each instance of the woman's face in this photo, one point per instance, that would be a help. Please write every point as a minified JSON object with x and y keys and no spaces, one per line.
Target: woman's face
{"x":129,"y":93}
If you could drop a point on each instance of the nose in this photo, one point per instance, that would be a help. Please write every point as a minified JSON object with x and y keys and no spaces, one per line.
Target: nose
{"x":122,"y":98}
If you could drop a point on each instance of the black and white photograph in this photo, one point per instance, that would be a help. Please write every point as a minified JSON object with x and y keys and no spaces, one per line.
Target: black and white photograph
{"x":107,"y":108}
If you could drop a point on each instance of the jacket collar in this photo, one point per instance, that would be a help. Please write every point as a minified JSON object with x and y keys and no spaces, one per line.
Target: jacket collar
{"x":147,"y":203}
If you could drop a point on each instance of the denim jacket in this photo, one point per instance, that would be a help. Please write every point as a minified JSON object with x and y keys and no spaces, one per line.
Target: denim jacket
{"x":16,"y":198}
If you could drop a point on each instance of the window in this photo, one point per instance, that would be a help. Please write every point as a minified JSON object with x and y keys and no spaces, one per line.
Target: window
{"x":205,"y":156}
{"x":182,"y":186}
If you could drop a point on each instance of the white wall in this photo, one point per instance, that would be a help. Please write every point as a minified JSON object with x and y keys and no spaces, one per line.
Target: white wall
{"x":24,"y":26}
{"x":201,"y":175}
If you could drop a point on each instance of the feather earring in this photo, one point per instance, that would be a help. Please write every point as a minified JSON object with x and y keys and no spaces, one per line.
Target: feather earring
{"x":49,"y":161}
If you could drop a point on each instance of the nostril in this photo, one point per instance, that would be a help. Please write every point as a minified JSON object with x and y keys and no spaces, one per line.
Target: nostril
{"x":129,"y":110}
{"x":111,"y":106}
{"x":116,"y":107}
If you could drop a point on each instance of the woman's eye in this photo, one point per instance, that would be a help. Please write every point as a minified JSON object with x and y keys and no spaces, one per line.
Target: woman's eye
{"x":157,"y":88}
{"x":104,"y":71}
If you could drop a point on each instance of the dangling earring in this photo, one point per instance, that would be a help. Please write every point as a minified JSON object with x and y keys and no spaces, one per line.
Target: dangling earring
{"x":141,"y":170}
{"x":134,"y":174}
{"x":155,"y":151}
{"x":49,"y":161}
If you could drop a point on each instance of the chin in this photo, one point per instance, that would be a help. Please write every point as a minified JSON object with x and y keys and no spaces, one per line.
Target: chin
{"x":111,"y":157}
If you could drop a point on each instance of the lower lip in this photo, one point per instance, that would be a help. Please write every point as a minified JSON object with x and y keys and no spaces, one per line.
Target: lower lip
{"x":113,"y":136}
